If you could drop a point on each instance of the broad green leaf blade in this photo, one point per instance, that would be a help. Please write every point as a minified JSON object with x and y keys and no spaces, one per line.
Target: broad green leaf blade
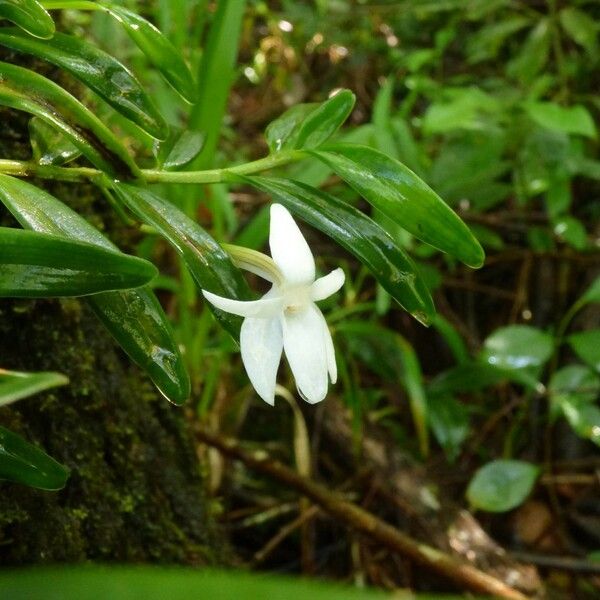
{"x":517,"y":347}
{"x":135,"y":318}
{"x":209,"y":264}
{"x":449,"y":422}
{"x":24,"y":463}
{"x":96,"y":69}
{"x":581,"y":27}
{"x":587,"y":346}
{"x":574,"y":382}
{"x":38,"y":265}
{"x":502,"y":485}
{"x":568,"y":119}
{"x":161,"y":583}
{"x":29,"y":15}
{"x":360,"y":235}
{"x":592,"y":294}
{"x":157,"y":48}
{"x":181,"y":147}
{"x":15,"y":385}
{"x":50,"y":146}
{"x":583,"y":417}
{"x":25,"y":90}
{"x":397,"y":192}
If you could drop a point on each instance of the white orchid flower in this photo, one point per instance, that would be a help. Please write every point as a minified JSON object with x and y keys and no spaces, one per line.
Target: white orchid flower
{"x":286,"y":317}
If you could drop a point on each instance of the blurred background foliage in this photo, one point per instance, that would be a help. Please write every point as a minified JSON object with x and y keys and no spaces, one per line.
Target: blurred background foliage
{"x":495,"y":406}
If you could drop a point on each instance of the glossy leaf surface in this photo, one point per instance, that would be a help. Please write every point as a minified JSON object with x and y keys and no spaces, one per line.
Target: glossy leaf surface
{"x":310,"y":125}
{"x":502,"y":485}
{"x":157,"y":48}
{"x":135,"y":318}
{"x":49,"y":145}
{"x":397,"y":192}
{"x":180,"y":148}
{"x":360,"y":235}
{"x":29,"y":15}
{"x":587,"y":346}
{"x":15,"y":385}
{"x":96,"y":69}
{"x":38,"y":265}
{"x":25,"y":90}
{"x":209,"y":264}
{"x":25,"y":463}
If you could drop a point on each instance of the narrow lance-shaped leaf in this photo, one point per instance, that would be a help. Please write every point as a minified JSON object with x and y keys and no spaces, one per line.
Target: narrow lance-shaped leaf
{"x":38,"y":265}
{"x":29,"y":15}
{"x":25,"y":463}
{"x":135,"y":318}
{"x":396,"y":191}
{"x":96,"y":69}
{"x":49,"y":145}
{"x":210,"y":266}
{"x":309,"y":125}
{"x":24,"y":90}
{"x":157,"y":48}
{"x":15,"y":385}
{"x":360,"y":235}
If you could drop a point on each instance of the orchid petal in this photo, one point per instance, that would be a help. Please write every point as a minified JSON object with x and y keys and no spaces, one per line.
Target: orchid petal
{"x":289,"y":248}
{"x":261,"y":341}
{"x":329,"y":350}
{"x":327,"y":286}
{"x":305,"y":349}
{"x":263,"y":308}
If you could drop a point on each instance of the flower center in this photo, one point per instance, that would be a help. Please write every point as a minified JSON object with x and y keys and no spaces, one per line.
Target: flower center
{"x":296,"y":298}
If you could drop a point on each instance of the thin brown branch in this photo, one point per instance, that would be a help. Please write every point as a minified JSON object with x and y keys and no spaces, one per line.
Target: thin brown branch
{"x":464,"y":575}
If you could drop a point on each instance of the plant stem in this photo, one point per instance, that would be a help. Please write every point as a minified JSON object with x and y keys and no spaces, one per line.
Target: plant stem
{"x":30,"y":169}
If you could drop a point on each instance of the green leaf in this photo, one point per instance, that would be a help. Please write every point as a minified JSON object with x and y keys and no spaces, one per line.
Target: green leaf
{"x":38,"y":265}
{"x":574,"y":382}
{"x":25,"y":90}
{"x":209,"y":264}
{"x":517,"y":347}
{"x":135,"y":318}
{"x":180,"y":148}
{"x":15,"y":385}
{"x":158,"y":49}
{"x":159,"y":583}
{"x":449,"y":422}
{"x":592,"y":294}
{"x":476,"y":376}
{"x":572,"y":231}
{"x":502,"y":485}
{"x":24,"y":463}
{"x":49,"y":146}
{"x":397,"y":192}
{"x":583,"y":417}
{"x":360,"y":235}
{"x":568,"y":119}
{"x":580,"y":27}
{"x":29,"y":15}
{"x":534,"y":53}
{"x":487,"y":41}
{"x":96,"y":69}
{"x":587,"y":346}
{"x":309,"y":125}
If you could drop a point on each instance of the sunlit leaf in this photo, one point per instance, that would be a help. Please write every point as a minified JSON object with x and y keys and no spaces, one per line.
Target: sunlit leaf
{"x":15,"y":385}
{"x":25,"y":90}
{"x":135,"y":318}
{"x":25,"y":463}
{"x":38,"y":265}
{"x":406,"y":199}
{"x":570,"y":119}
{"x":29,"y":15}
{"x":96,"y":69}
{"x":361,"y":236}
{"x":517,"y":347}
{"x":580,"y":27}
{"x":180,"y":148}
{"x":501,"y":485}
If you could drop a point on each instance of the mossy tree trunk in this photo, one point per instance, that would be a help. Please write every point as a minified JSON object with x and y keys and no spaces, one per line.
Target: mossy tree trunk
{"x":135,"y":493}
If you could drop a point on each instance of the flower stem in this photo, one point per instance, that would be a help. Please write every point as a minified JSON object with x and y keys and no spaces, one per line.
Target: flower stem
{"x":30,"y":169}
